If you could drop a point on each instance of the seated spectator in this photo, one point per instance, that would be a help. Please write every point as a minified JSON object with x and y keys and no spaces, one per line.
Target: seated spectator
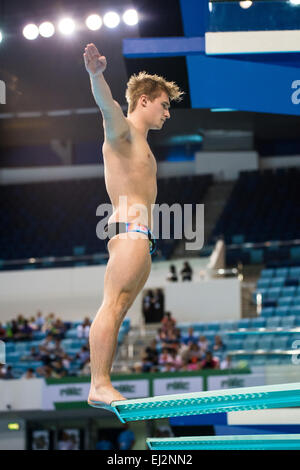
{"x":29,"y":374}
{"x":48,"y":343}
{"x":177,"y":361}
{"x":203,"y":344}
{"x":194,"y":352}
{"x":8,"y":373}
{"x":25,"y":332}
{"x":165,"y":357}
{"x":210,"y":362}
{"x":168,"y":322}
{"x":45,"y":371}
{"x":172,"y":275}
{"x":186,"y":272}
{"x":83,"y":330}
{"x":103,"y":443}
{"x":58,"y":329}
{"x":171,"y":341}
{"x":16,"y":334}
{"x":190,"y":337}
{"x":48,"y":324}
{"x":2,"y":332}
{"x":32,"y":324}
{"x":193,"y":364}
{"x":58,"y":370}
{"x":84,"y":355}
{"x":34,"y":355}
{"x":86,"y":369}
{"x":219,"y":346}
{"x":39,"y":321}
{"x":226,"y":363}
{"x":151,"y":353}
{"x":126,"y":438}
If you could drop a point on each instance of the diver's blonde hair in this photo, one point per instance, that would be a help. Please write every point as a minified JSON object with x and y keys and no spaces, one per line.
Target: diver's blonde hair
{"x":152,"y":86}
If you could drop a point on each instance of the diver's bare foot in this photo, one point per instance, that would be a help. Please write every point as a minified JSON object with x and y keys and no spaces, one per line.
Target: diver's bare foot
{"x":106,"y":394}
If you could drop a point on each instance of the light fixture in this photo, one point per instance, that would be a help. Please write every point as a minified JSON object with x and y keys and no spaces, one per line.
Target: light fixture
{"x":93,"y":22}
{"x":66,"y":26}
{"x":246,"y":4}
{"x":31,"y":31}
{"x":46,"y":29}
{"x":111,"y":19}
{"x":130,"y":17}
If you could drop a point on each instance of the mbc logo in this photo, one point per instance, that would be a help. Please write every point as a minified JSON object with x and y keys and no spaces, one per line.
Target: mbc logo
{"x":295,"y":357}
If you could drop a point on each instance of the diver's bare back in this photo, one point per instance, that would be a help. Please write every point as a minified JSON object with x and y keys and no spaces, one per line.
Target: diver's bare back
{"x":130,"y":170}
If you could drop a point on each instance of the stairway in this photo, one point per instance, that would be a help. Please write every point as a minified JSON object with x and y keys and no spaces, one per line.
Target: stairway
{"x":214,"y":203}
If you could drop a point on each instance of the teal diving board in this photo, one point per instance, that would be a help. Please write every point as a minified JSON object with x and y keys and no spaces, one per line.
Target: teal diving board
{"x":256,"y":442}
{"x":216,"y":401}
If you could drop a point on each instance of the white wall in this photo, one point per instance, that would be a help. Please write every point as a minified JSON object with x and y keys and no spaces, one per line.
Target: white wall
{"x":73,"y":293}
{"x":225,"y":165}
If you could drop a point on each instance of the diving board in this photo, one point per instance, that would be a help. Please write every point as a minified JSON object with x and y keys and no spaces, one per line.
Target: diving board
{"x":217,"y":401}
{"x":253,"y":442}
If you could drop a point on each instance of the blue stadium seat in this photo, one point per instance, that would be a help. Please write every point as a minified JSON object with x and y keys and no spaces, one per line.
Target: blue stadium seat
{"x":267,"y":273}
{"x":295,"y":310}
{"x":288,"y":291}
{"x":265,"y":342}
{"x":285,"y":301}
{"x":274,"y":292}
{"x":296,"y":300}
{"x":267,"y":312}
{"x":282,"y":311}
{"x":294,"y":271}
{"x":288,"y":322}
{"x":273,"y":322}
{"x":281,"y":272}
{"x":263,"y":283}
{"x":258,"y":323}
{"x":250,"y":344}
{"x":244,"y":323}
{"x":277,"y":282}
{"x":280,"y":342}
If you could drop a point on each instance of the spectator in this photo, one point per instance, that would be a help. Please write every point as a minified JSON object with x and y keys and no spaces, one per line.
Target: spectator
{"x":103,"y":443}
{"x":209,"y":362}
{"x":58,"y":370}
{"x":48,"y":343}
{"x":86,"y":369}
{"x":172,"y":275}
{"x":219,"y":346}
{"x":84,"y":355}
{"x":148,"y":306}
{"x":32,"y":324}
{"x":8,"y":374}
{"x":177,"y":361}
{"x":45,"y":371}
{"x":150,"y":353}
{"x":83,"y":330}
{"x":25,"y":332}
{"x":158,"y":305}
{"x":2,"y":332}
{"x":48,"y":324}
{"x":58,"y":329}
{"x":203,"y":344}
{"x":193,"y":364}
{"x":2,"y":371}
{"x":165,"y":357}
{"x":171,"y":340}
{"x":126,"y":438}
{"x":39,"y":321}
{"x":65,"y":442}
{"x":34,"y":355}
{"x":168,"y":321}
{"x":226,"y":363}
{"x":186,"y":272}
{"x":190,"y":337}
{"x":29,"y":374}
